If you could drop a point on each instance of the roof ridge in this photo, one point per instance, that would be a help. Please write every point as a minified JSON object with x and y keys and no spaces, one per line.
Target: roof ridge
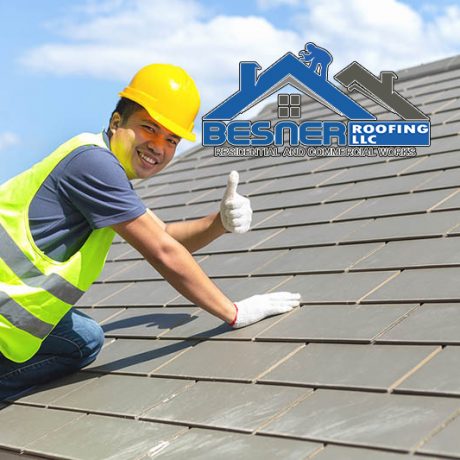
{"x":429,"y":68}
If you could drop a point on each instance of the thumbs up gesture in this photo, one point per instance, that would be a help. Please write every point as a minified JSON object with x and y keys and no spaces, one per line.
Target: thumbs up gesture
{"x":235,"y":209}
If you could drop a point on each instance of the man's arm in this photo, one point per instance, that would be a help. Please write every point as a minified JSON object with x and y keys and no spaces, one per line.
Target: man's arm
{"x":235,"y":216}
{"x":175,"y":263}
{"x":193,"y":234}
{"x":178,"y":267}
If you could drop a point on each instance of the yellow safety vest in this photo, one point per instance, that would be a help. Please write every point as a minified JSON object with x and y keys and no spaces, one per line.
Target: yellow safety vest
{"x":35,"y":290}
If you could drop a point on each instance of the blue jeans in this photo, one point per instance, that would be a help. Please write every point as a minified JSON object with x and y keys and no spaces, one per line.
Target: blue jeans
{"x":74,"y":343}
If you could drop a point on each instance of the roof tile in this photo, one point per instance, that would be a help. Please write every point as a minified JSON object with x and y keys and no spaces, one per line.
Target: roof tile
{"x":336,"y":288}
{"x":241,"y":361}
{"x":429,"y":323}
{"x":201,"y":444}
{"x":94,"y":437}
{"x":338,"y":323}
{"x":236,"y":406}
{"x":364,"y":418}
{"x":422,"y":285}
{"x":348,"y":365}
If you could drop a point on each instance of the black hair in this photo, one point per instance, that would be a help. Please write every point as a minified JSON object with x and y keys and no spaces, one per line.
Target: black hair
{"x":126,"y":107}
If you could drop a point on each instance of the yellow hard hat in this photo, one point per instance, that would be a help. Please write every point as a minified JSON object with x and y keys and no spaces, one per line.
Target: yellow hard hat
{"x":169,"y":95}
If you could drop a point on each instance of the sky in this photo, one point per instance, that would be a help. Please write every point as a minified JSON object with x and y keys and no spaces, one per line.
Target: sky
{"x":64,"y":61}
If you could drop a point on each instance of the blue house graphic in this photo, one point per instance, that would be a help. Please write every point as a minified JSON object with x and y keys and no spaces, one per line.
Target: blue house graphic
{"x":286,"y":70}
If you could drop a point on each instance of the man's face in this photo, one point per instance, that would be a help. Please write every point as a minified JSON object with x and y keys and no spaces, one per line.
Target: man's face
{"x":142,"y":145}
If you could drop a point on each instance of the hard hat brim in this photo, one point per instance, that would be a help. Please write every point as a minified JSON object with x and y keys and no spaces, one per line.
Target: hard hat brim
{"x":148,"y":103}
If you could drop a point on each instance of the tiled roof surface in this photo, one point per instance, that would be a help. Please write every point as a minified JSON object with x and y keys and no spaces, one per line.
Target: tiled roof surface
{"x":367,"y":367}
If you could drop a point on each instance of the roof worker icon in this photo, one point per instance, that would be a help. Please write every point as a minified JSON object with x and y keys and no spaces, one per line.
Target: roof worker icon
{"x":316,"y":58}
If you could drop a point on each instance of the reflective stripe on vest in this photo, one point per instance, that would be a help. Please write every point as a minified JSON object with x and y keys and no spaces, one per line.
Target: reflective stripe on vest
{"x":29,"y":274}
{"x":22,"y":319}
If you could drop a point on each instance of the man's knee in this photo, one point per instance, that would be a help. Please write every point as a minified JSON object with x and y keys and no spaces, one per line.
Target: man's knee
{"x":93,"y":337}
{"x":77,"y":338}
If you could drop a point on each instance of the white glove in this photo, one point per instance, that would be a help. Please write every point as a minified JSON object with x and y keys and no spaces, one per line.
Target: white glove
{"x":235,"y":209}
{"x":258,"y":307}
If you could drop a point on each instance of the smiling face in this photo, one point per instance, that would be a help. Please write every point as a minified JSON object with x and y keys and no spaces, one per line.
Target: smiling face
{"x":142,"y":145}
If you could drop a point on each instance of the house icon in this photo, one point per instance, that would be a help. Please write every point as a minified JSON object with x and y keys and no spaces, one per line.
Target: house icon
{"x":287,"y":70}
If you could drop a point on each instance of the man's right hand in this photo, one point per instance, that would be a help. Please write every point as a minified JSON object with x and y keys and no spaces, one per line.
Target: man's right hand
{"x":258,"y":307}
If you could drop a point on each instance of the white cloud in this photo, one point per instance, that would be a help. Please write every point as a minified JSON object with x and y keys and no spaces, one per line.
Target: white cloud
{"x":8,"y":139}
{"x":383,"y":35}
{"x":114,"y":38}
{"x":134,"y":33}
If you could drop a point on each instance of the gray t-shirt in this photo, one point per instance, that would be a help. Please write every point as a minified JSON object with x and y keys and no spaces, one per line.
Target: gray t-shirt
{"x":87,"y":190}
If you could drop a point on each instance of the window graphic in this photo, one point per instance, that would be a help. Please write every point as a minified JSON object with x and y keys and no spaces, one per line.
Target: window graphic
{"x":288,"y":105}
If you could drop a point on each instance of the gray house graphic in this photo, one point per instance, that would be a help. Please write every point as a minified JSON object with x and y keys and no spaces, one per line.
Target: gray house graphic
{"x":355,"y":77}
{"x":286,"y":70}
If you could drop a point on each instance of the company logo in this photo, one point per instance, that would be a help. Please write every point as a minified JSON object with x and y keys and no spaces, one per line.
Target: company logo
{"x":308,"y":74}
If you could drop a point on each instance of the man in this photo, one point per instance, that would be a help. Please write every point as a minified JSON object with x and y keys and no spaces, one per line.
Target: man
{"x":58,"y":219}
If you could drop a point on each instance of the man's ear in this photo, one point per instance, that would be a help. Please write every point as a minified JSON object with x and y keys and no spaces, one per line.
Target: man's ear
{"x":115,"y":122}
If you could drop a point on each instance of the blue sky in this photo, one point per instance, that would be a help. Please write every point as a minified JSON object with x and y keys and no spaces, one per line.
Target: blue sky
{"x":63,"y":61}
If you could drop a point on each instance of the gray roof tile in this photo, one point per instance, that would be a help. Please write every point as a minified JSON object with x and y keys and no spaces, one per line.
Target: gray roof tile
{"x":355,"y":323}
{"x":347,"y":287}
{"x":422,"y":285}
{"x":252,"y":188}
{"x":201,"y":444}
{"x":135,"y":394}
{"x":303,"y":166}
{"x":445,"y":442}
{"x":241,"y":288}
{"x":414,"y":253}
{"x":203,"y":325}
{"x":445,"y":129}
{"x":440,"y":375}
{"x":137,"y":356}
{"x":148,"y":293}
{"x":332,"y":452}
{"x":311,"y":235}
{"x":99,"y":292}
{"x":371,"y":171}
{"x":398,"y":204}
{"x":146,"y":322}
{"x":442,"y":179}
{"x":319,"y":259}
{"x":382,"y":187}
{"x":190,"y":211}
{"x":177,"y":199}
{"x":112,"y":269}
{"x":294,"y":182}
{"x":452,"y":202}
{"x":101,"y":314}
{"x":34,"y":424}
{"x":10,"y":455}
{"x":234,"y":242}
{"x":429,"y":323}
{"x":259,"y":217}
{"x":321,"y":213}
{"x":238,"y":263}
{"x":242,"y":361}
{"x":118,"y":250}
{"x":294,"y":198}
{"x":404,"y":227}
{"x":61,"y":387}
{"x":139,"y":270}
{"x":437,"y":161}
{"x":208,"y":403}
{"x":94,"y":437}
{"x":364,"y":418}
{"x":340,"y":365}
